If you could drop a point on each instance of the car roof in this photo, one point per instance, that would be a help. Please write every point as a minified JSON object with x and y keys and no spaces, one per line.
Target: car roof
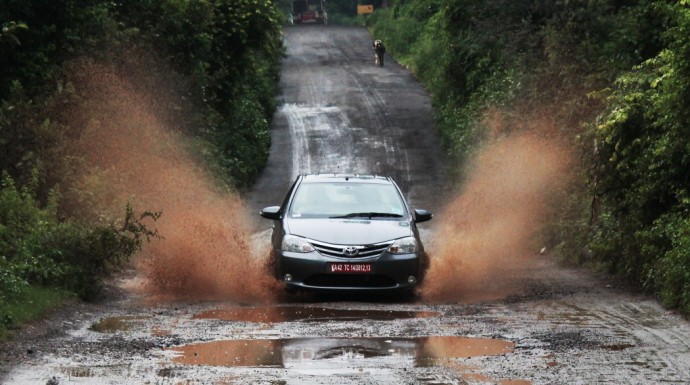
{"x":358,"y":178}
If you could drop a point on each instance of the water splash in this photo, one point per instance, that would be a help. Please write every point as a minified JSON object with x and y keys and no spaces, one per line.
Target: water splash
{"x":487,"y":236}
{"x":132,"y":155}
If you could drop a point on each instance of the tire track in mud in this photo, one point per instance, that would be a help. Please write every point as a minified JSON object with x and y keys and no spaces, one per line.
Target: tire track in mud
{"x":613,"y":337}
{"x":335,"y":144}
{"x":375,"y":104}
{"x":649,"y":327}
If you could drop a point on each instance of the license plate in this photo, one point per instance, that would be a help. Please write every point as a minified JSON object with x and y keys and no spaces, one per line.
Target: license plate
{"x":350,"y":268}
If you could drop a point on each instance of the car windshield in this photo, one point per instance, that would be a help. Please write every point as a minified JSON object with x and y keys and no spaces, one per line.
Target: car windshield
{"x":347,"y":200}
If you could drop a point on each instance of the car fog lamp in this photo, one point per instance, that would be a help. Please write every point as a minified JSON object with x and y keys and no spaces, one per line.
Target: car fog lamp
{"x":287,"y":278}
{"x":411,"y":280}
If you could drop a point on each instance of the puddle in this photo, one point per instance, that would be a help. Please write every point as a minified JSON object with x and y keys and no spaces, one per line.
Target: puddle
{"x":306,"y":314}
{"x":333,"y":355}
{"x":115,"y":324}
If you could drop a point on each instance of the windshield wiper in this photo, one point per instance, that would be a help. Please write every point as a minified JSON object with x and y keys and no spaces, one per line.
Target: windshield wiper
{"x":369,"y":215}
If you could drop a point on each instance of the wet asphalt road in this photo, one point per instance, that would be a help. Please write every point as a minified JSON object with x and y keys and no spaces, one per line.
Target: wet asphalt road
{"x":340,"y":113}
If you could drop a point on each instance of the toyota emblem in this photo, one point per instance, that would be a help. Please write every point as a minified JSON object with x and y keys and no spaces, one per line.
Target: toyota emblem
{"x":350,"y":251}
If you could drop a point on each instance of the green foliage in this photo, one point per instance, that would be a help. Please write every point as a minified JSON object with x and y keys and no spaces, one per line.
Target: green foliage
{"x":20,"y":219}
{"x":398,"y":32}
{"x":643,"y":171}
{"x":671,"y":277}
{"x":77,"y":256}
{"x":19,"y":216}
{"x":226,"y":55}
{"x":231,"y":50}
{"x":38,"y":250}
{"x":54,"y":31}
{"x":455,"y":56}
{"x":12,"y":285}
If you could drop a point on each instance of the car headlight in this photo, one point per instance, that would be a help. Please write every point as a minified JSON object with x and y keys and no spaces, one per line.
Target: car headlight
{"x":403,"y":246}
{"x":296,"y":244}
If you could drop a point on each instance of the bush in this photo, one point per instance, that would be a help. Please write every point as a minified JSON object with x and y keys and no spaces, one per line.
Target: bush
{"x":643,"y":171}
{"x":398,"y":33}
{"x":217,"y":50}
{"x":37,"y":249}
{"x":78,"y":256}
{"x":672,"y":278}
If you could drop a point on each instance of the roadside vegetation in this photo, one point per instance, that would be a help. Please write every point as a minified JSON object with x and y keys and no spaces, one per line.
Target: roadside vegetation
{"x":210,"y":69}
{"x":612,"y":77}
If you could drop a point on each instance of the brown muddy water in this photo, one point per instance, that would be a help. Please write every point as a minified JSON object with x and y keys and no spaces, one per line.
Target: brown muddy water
{"x":274,"y":314}
{"x":133,"y":156}
{"x":486,"y":238}
{"x":334,"y":354}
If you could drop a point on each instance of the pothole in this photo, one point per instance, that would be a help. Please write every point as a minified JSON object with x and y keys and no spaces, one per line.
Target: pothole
{"x":332,"y":354}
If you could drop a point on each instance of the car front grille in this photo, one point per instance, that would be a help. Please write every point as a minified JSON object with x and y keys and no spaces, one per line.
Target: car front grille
{"x":363,"y":251}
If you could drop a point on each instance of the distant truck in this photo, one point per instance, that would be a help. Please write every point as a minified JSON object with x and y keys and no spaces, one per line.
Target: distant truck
{"x":309,"y":11}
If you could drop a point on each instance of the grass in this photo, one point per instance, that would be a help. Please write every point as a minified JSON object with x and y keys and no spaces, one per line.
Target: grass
{"x":36,"y":302}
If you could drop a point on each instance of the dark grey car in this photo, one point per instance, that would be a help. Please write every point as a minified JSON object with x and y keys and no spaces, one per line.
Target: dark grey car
{"x":347,"y":232}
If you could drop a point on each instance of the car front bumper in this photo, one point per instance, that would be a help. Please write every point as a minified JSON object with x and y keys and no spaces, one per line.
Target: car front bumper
{"x":310,"y":271}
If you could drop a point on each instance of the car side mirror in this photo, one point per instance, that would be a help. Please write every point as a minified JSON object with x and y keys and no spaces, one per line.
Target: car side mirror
{"x":272,"y":212}
{"x":422,"y":215}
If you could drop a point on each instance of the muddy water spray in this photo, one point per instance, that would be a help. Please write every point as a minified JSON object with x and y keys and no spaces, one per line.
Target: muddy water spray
{"x":205,"y":248}
{"x":489,"y":233}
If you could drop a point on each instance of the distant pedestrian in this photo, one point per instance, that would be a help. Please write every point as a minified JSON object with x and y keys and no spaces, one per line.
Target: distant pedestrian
{"x":379,"y":50}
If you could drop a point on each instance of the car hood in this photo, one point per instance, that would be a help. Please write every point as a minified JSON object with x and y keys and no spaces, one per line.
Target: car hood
{"x":349,"y":231}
